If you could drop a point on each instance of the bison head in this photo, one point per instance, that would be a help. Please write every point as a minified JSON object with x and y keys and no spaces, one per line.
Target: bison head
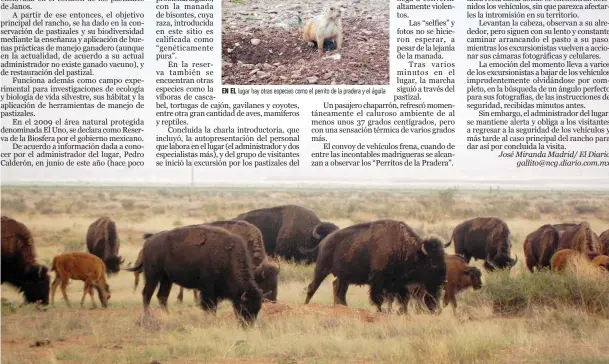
{"x":432,"y":270}
{"x":36,"y":284}
{"x":267,"y":279}
{"x":475,"y":277}
{"x":113,"y":264}
{"x":249,"y":304}
{"x":103,"y":293}
{"x":502,"y":261}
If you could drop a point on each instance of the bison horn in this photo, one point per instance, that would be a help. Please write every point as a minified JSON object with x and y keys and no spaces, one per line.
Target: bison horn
{"x":315,"y":233}
{"x":244,"y":297}
{"x":515,"y":261}
{"x":423,"y":249}
{"x":262,"y":274}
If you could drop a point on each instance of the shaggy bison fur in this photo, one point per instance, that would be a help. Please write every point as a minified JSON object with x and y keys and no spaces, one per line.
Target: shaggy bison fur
{"x":207,"y":258}
{"x":539,"y":246}
{"x":19,"y":265}
{"x":601,"y":261}
{"x":604,"y":238}
{"x":485,"y":238}
{"x":581,"y":238}
{"x":103,"y":242}
{"x":83,"y":267}
{"x":289,"y":231}
{"x":387,"y":255}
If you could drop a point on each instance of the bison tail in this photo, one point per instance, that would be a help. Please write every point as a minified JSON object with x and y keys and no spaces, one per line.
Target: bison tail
{"x":135,"y":268}
{"x":449,"y":242}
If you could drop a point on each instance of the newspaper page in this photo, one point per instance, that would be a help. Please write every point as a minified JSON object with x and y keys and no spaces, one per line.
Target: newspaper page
{"x":411,"y":149}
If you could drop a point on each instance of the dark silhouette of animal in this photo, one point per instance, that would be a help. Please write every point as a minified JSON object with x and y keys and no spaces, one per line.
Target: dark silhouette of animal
{"x":581,"y":238}
{"x":604,"y":238}
{"x":19,"y":266}
{"x":485,"y":238}
{"x":289,"y":231}
{"x":103,"y":242}
{"x":459,"y":277}
{"x":84,"y":267}
{"x":207,"y":258}
{"x":266,"y":271}
{"x":385,"y":254}
{"x":539,"y":246}
{"x":601,"y":261}
{"x":562,"y":257}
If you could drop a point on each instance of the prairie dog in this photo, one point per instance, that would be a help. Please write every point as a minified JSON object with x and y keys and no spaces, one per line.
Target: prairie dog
{"x":326,"y":26}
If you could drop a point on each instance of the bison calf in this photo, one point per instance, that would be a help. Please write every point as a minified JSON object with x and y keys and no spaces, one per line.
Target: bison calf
{"x":561,"y":258}
{"x":83,"y":267}
{"x":459,"y":277}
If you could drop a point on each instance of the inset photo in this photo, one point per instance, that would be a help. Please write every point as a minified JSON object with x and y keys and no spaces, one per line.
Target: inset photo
{"x":266,"y":42}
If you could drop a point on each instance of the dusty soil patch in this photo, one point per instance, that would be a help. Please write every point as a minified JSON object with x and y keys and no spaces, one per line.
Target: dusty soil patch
{"x":282,"y":57}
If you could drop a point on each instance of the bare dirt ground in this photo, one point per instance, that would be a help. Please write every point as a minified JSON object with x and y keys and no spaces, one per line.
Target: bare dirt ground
{"x":261,"y":44}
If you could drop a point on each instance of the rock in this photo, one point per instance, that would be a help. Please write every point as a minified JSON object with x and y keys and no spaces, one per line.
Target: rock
{"x":263,"y":75}
{"x":254,"y":71}
{"x":255,"y":41}
{"x":237,"y":44}
{"x":283,"y":78}
{"x":281,"y":25}
{"x":367,"y":32}
{"x":229,"y":50}
{"x":335,"y":57}
{"x":267,"y":67}
{"x":312,"y":79}
{"x":327,"y":75}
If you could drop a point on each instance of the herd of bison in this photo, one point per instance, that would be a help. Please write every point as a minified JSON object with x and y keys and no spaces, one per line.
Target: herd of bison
{"x":237,"y":259}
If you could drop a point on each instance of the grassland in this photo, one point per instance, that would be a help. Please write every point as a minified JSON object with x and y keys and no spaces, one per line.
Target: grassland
{"x":556,"y":318}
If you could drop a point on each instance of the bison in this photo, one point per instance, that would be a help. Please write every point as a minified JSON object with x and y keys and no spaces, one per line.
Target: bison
{"x":207,"y":258}
{"x":485,"y":238}
{"x":459,"y":277}
{"x":604,"y":238}
{"x":83,"y":267}
{"x":289,"y":231}
{"x":266,"y":271}
{"x":581,"y":238}
{"x":540,"y":245}
{"x":562,"y":257}
{"x":385,"y":254}
{"x":19,"y":266}
{"x":103,"y":242}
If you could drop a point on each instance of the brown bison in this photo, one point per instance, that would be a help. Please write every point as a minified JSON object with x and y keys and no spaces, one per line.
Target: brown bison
{"x":581,"y":238}
{"x":289,"y":231}
{"x":103,"y":242}
{"x":266,"y":271}
{"x":540,"y":245}
{"x":604,"y":238}
{"x":84,"y":267}
{"x":19,"y":266}
{"x":385,"y":254}
{"x":562,"y":257}
{"x":601,"y":261}
{"x":485,"y":238}
{"x":207,"y":258}
{"x":459,"y":277}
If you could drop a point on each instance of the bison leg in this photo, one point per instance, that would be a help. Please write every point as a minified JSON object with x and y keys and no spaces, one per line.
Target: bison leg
{"x":377,"y":293}
{"x":181,"y":294}
{"x":84,"y":294}
{"x":148,"y":291}
{"x":195,"y":295}
{"x":92,"y":297}
{"x":56,"y":282}
{"x":340,"y":293}
{"x":208,"y":299}
{"x":320,"y":275}
{"x":163,"y":293}
{"x":64,"y":285}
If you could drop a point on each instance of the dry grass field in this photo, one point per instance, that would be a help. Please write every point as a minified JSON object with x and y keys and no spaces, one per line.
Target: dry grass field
{"x":553,"y":318}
